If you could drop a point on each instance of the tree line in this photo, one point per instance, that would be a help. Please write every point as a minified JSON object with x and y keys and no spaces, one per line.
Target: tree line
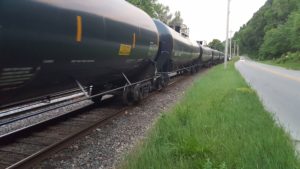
{"x":273,"y":31}
{"x":162,"y":12}
{"x":217,"y":44}
{"x":159,"y":11}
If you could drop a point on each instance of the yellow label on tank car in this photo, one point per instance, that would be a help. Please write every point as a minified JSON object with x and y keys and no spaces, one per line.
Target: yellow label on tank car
{"x":125,"y":50}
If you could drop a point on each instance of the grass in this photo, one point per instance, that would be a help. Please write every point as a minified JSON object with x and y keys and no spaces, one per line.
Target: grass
{"x":220,"y":124}
{"x":289,"y":65}
{"x":290,"y":61}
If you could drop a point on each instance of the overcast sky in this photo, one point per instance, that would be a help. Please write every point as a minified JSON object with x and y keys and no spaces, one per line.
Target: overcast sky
{"x":207,"y":18}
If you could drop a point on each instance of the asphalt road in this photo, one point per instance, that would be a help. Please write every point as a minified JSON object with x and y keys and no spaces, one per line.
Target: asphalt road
{"x":279,"y":90}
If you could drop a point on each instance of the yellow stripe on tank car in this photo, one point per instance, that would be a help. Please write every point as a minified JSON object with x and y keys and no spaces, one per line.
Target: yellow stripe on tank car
{"x":133,"y":40}
{"x":79,"y":29}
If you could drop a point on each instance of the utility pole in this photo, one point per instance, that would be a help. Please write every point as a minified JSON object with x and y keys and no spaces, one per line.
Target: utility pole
{"x":230,"y":46}
{"x":227,"y":28}
{"x":234,"y":48}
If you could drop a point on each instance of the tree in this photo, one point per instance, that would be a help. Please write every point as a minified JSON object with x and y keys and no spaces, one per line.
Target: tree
{"x":177,"y":20}
{"x":216,"y":44}
{"x":162,"y":13}
{"x":283,"y":39}
{"x":267,"y":29}
{"x":158,"y":11}
{"x":146,"y":5}
{"x":275,"y":43}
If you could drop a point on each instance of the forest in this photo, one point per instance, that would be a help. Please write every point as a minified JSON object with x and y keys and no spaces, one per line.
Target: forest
{"x":159,"y":11}
{"x":162,"y":12}
{"x":273,"y":32}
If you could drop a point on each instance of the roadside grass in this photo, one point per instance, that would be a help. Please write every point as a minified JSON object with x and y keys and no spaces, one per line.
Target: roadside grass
{"x":220,"y":124}
{"x":290,"y":61}
{"x":289,"y":64}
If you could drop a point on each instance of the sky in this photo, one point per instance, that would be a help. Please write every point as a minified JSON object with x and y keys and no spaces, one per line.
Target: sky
{"x":207,"y":18}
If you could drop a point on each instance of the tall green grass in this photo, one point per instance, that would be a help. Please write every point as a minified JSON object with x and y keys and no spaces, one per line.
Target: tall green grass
{"x":289,"y":61}
{"x":220,"y":124}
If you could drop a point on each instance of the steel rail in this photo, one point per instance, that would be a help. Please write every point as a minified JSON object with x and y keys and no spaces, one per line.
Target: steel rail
{"x":44,"y":153}
{"x":36,"y":157}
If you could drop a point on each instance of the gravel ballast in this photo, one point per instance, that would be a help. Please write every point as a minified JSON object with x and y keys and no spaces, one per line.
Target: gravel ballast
{"x":34,"y":119}
{"x":105,"y":147}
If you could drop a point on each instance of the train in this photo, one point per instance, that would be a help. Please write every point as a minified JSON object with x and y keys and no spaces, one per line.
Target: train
{"x":107,"y":46}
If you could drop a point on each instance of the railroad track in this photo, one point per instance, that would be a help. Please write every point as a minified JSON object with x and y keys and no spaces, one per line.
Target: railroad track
{"x":35,"y":103}
{"x":39,"y":105}
{"x":26,"y":147}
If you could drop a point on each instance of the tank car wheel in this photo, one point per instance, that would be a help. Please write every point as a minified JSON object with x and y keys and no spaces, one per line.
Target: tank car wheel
{"x":165,"y":80}
{"x":197,"y":68}
{"x":157,"y":84}
{"x":137,"y":93}
{"x":96,"y":100}
{"x":193,"y":70}
{"x":127,"y":97}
